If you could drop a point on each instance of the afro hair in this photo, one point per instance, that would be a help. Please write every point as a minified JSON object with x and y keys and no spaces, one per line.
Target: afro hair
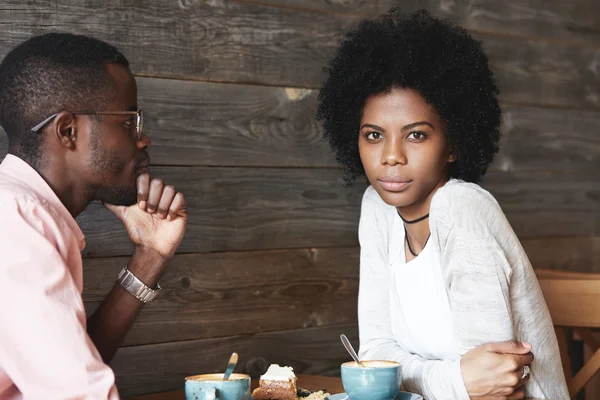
{"x":417,"y":51}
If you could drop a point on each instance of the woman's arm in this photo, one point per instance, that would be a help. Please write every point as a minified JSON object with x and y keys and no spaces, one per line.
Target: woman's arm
{"x":479,"y":253}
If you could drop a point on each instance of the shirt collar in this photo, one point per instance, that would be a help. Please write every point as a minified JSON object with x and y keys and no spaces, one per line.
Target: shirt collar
{"x":20,"y":170}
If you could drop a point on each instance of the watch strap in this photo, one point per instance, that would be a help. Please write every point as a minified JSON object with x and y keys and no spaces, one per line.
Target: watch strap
{"x":135,"y":287}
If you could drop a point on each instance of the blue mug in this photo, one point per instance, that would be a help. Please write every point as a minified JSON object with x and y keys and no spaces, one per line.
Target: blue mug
{"x":213,"y":387}
{"x":377,"y":380}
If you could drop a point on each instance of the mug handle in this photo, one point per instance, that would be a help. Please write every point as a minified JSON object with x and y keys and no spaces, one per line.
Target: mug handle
{"x":211,"y":394}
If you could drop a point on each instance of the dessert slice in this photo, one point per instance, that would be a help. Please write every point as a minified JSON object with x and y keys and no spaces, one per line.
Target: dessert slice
{"x":278,"y":383}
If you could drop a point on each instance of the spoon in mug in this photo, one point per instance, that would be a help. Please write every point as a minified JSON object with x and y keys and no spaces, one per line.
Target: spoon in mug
{"x":350,"y":349}
{"x":230,"y":366}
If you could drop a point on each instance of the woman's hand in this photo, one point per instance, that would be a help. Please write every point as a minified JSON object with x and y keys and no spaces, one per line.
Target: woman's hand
{"x":494,"y":370}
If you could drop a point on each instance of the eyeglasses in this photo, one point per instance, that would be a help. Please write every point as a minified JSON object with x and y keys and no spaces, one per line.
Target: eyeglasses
{"x":139,"y":119}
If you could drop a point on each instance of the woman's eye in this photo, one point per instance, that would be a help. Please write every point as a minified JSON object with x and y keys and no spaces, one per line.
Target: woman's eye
{"x":416,"y":135}
{"x":128,"y":123}
{"x":374,"y":136}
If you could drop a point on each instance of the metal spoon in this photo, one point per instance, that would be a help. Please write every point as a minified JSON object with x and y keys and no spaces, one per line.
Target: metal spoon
{"x":230,"y":366}
{"x":350,"y":349}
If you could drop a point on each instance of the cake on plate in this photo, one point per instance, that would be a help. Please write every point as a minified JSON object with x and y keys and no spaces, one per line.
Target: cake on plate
{"x":279,"y":383}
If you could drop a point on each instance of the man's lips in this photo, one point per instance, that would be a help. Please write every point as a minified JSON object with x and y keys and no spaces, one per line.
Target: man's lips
{"x":142,"y":167}
{"x":394,"y":183}
{"x":145,"y":163}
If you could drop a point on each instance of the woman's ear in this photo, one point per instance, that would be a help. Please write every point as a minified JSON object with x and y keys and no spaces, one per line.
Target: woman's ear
{"x":451,"y":158}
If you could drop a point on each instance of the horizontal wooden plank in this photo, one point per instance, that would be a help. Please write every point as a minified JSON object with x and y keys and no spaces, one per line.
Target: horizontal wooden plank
{"x":193,"y":123}
{"x":208,"y":124}
{"x":576,"y":21}
{"x":224,"y":41}
{"x":361,"y":7}
{"x":163,"y":367}
{"x":547,"y":139}
{"x":542,"y":204}
{"x":216,"y":40}
{"x":539,"y":72}
{"x":225,"y":294}
{"x":576,"y":254}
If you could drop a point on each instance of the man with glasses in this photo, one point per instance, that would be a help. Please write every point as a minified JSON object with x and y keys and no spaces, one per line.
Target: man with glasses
{"x":69,"y":107}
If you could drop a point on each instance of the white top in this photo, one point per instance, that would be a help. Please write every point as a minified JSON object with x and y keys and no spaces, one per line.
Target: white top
{"x":472,"y":284}
{"x":421,"y":319}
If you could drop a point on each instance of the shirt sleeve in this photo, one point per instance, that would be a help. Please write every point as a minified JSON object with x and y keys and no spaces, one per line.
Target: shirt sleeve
{"x":471,"y":233}
{"x":434,"y":379}
{"x":477,"y":274}
{"x":44,"y":346}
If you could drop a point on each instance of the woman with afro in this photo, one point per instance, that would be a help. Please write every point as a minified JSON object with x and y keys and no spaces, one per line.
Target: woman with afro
{"x":445,"y":287}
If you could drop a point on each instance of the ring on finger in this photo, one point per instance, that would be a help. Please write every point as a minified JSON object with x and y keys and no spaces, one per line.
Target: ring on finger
{"x":526,"y":371}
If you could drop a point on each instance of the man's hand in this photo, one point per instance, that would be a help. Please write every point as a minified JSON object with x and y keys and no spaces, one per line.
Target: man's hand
{"x":157,"y":222}
{"x":494,"y":370}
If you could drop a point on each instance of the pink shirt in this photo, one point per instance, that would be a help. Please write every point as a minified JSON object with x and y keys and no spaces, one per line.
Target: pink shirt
{"x":45,"y":352}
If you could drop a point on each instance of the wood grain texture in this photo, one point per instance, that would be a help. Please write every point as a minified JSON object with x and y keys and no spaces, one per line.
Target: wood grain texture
{"x":163,"y":367}
{"x":539,"y":204}
{"x":579,"y":253}
{"x":226,"y":294}
{"x":359,"y":7}
{"x":216,"y":41}
{"x":546,"y":139}
{"x":556,"y":20}
{"x":223,"y":41}
{"x":539,"y":72}
{"x":193,"y":123}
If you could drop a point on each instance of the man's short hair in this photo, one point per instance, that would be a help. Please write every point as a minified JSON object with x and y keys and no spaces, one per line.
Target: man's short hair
{"x":48,"y":74}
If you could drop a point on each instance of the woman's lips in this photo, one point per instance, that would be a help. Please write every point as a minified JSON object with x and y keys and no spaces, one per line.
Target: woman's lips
{"x":394,"y":183}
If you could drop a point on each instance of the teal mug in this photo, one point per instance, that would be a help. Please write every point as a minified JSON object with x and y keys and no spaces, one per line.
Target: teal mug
{"x":213,"y":387}
{"x":376,"y":380}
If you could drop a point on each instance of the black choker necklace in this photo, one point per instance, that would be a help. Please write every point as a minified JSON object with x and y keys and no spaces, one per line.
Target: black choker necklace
{"x":408,"y":243}
{"x":414,"y":221}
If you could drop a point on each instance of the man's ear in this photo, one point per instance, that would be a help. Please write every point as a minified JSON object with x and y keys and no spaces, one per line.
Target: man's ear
{"x":65,"y":129}
{"x":451,"y":158}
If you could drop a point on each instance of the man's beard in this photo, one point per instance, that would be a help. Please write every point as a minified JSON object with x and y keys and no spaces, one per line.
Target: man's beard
{"x":118,"y":196}
{"x":105,"y":165}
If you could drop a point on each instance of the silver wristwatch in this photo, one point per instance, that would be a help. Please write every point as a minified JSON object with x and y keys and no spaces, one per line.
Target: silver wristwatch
{"x":136,"y":287}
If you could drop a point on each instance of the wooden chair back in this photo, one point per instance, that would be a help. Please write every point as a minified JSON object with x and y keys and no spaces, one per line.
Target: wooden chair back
{"x":574,"y":302}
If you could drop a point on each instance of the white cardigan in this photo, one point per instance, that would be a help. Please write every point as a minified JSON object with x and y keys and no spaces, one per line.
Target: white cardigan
{"x":491,"y":287}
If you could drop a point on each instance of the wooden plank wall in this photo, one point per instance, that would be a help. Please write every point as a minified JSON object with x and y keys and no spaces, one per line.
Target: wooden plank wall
{"x":268,"y":267}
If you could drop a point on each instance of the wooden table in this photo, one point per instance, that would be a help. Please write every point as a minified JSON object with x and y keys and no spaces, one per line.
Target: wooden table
{"x":311,"y":382}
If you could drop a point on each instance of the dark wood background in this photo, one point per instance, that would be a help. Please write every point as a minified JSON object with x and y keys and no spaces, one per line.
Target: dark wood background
{"x":269,"y":265}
